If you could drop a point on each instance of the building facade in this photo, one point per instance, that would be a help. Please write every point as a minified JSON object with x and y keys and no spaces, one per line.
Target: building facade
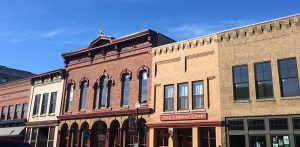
{"x":185,"y":88}
{"x":14,"y":98}
{"x":103,"y":84}
{"x":10,"y":74}
{"x":44,"y":107}
{"x":260,"y":95}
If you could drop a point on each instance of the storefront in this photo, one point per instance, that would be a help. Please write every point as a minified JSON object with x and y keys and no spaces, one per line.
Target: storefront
{"x":12,"y":129}
{"x":264,"y":131}
{"x":185,"y":130}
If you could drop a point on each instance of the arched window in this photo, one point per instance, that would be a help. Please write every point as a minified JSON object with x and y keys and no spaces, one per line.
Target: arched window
{"x":96,"y":96}
{"x":109,"y":93}
{"x":103,"y":87}
{"x":83,"y":95}
{"x":70,"y":91}
{"x":125,"y":89}
{"x":143,"y":77}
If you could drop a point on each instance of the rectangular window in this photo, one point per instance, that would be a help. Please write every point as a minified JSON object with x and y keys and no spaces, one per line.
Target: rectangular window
{"x":51,"y":136}
{"x":3,"y":112}
{"x":241,"y":85}
{"x":83,"y":95}
{"x":44,"y":103}
{"x":296,"y":123}
{"x":256,"y":124}
{"x":10,"y":111}
{"x":288,"y":72}
{"x":257,"y":141}
{"x":198,"y":97}
{"x":278,"y":124}
{"x":24,"y":110}
{"x":236,"y":125}
{"x":125,"y":89}
{"x":34,"y":135}
{"x":17,"y":111}
{"x":169,"y":98}
{"x":183,"y":99}
{"x":52,"y":102}
{"x":263,"y":80}
{"x":36,"y":104}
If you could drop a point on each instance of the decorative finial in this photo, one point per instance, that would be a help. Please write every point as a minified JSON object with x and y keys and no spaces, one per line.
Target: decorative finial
{"x":101,"y":33}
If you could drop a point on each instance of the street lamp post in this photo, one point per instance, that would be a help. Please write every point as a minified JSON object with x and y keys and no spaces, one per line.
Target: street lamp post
{"x":137,"y":106}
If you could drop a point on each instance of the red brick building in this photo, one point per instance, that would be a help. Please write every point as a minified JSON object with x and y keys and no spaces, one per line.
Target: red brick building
{"x":14,"y":97}
{"x":104,"y":82}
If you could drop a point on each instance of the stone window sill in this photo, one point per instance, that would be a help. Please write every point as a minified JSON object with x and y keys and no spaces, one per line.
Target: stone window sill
{"x":51,"y":114}
{"x":290,"y":98}
{"x":168,"y":112}
{"x":198,"y":110}
{"x":241,"y":101}
{"x":124,"y":107}
{"x":183,"y":111}
{"x":265,"y":99}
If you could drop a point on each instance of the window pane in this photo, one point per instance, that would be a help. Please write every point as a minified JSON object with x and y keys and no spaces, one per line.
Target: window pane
{"x":169,"y":98}
{"x":289,"y":77}
{"x":3,"y":112}
{"x":51,"y":133}
{"x":236,"y":125}
{"x":10,"y":112}
{"x":183,"y":96}
{"x":198,"y":99}
{"x":44,"y":103}
{"x":70,"y":97}
{"x":258,"y":141}
{"x":24,"y":110}
{"x":52,"y":102}
{"x":264,"y":89}
{"x":17,"y":111}
{"x":296,"y":123}
{"x":278,"y":124}
{"x":109,"y":92}
{"x":143,"y":87}
{"x":125,"y":93}
{"x":240,"y":76}
{"x":256,"y":124}
{"x":96,"y":96}
{"x":36,"y":104}
{"x":103,"y":91}
{"x":83,"y":95}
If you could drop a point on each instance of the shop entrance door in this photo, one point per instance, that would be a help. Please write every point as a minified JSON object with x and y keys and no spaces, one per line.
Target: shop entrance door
{"x":185,"y":137}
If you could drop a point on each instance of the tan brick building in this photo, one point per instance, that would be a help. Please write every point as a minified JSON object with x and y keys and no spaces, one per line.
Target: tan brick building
{"x":14,"y":98}
{"x":104,"y":81}
{"x":186,"y":92}
{"x":259,"y":84}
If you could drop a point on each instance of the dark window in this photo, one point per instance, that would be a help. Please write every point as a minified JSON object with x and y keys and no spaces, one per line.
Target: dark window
{"x":263,"y":80}
{"x":10,"y":111}
{"x":52,"y":102}
{"x":183,"y":99}
{"x":103,"y":87}
{"x":169,"y":98}
{"x":278,"y":124}
{"x":96,"y":96}
{"x":288,"y":77}
{"x":17,"y":111}
{"x":109,"y":93}
{"x":241,"y":85}
{"x":34,"y":136}
{"x":3,"y":112}
{"x":36,"y":104}
{"x":236,"y":125}
{"x":51,"y":136}
{"x":237,"y":141}
{"x":198,"y":98}
{"x":143,"y":86}
{"x":24,"y":110}
{"x":125,"y":89}
{"x":296,"y":122}
{"x":44,"y":103}
{"x":69,"y":101}
{"x":256,"y":124}
{"x":257,"y":141}
{"x":3,"y":80}
{"x":83,"y":95}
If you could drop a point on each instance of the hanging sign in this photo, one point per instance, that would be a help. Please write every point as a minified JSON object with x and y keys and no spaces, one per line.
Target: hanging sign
{"x":191,"y":116}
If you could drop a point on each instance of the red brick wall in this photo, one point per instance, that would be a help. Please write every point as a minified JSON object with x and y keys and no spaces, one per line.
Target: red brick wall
{"x":13,"y":93}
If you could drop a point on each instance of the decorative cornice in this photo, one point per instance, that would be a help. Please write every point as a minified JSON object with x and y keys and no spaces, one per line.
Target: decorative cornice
{"x":189,"y":44}
{"x":104,"y":114}
{"x":260,"y":28}
{"x":42,"y":123}
{"x":48,"y":77}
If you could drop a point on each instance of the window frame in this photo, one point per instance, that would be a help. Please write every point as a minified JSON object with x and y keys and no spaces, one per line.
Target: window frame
{"x":172,"y":98}
{"x":5,"y":113}
{"x":10,"y":113}
{"x":280,"y":79}
{"x":44,"y":104}
{"x":103,"y":91}
{"x":234,"y":83}
{"x":256,"y":81}
{"x":124,"y":89}
{"x":36,"y":105}
{"x":200,"y":96}
{"x":70,"y":95}
{"x":52,"y":105}
{"x":143,"y":100}
{"x":17,"y":112}
{"x":83,"y":95}
{"x":24,"y":112}
{"x":185,"y":98}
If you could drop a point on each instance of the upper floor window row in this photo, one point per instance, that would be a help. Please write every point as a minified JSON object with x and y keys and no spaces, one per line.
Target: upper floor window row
{"x":43,"y":105}
{"x":288,"y":78}
{"x":14,"y":111}
{"x":183,"y":98}
{"x":102,"y":96}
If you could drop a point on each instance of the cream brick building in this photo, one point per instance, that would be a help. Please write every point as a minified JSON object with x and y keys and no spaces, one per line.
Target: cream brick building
{"x":44,"y":107}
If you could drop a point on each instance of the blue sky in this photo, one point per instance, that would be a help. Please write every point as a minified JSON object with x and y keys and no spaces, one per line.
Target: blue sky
{"x":34,"y":33}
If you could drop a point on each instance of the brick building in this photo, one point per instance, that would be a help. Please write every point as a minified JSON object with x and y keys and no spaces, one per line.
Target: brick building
{"x":14,"y":97}
{"x":185,"y":80}
{"x":260,"y":94}
{"x":104,"y":82}
{"x":10,"y":74}
{"x":44,"y":107}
